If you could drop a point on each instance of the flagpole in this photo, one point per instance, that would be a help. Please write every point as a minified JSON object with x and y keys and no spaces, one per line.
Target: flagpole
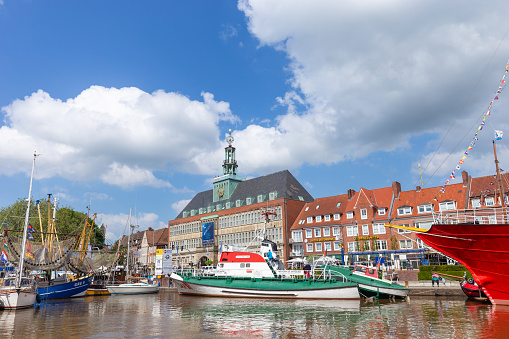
{"x":500,"y":185}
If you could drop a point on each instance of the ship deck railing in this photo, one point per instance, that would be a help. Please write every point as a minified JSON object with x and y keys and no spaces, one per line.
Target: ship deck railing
{"x":494,"y":215}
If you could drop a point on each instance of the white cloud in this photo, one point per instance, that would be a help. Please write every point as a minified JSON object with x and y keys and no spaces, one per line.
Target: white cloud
{"x":118,"y":224}
{"x":120,"y":136}
{"x":368,"y":76}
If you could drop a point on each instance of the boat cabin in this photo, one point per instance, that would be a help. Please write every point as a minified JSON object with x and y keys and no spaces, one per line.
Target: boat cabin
{"x":365,"y":270}
{"x":243,"y":264}
{"x":267,"y":246}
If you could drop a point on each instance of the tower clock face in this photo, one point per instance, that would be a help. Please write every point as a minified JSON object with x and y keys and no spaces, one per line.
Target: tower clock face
{"x":229,"y":140}
{"x":220,"y":191}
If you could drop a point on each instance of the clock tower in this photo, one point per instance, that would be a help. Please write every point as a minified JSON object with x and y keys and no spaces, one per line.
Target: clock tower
{"x":225,"y":185}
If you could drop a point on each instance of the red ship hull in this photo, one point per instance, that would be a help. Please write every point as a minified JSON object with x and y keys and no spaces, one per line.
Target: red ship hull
{"x":482,"y":248}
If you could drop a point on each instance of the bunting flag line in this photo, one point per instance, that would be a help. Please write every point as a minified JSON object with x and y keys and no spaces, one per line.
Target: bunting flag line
{"x":5,"y":250}
{"x":475,"y":138}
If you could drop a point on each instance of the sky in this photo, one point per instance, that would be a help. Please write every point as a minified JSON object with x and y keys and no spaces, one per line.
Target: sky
{"x":129,"y":103}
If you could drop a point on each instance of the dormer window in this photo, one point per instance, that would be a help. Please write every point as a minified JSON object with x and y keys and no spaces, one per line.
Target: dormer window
{"x":238,"y":203}
{"x":490,"y":201}
{"x":349,"y":215}
{"x":447,"y":206}
{"x":381,"y":211}
{"x":476,"y":203}
{"x":272,"y":195}
{"x":326,"y":217}
{"x":336,"y":216}
{"x":405,"y":210}
{"x":260,"y":198}
{"x":425,"y":208}
{"x":318,"y":218}
{"x":364,"y":213}
{"x":310,"y":220}
{"x":249,"y":201}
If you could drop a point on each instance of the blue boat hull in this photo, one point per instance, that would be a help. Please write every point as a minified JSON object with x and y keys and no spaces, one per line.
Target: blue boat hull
{"x":69,"y":289}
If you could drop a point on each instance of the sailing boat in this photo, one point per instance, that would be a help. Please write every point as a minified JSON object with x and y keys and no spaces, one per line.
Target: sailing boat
{"x":130,"y":287}
{"x":19,"y":291}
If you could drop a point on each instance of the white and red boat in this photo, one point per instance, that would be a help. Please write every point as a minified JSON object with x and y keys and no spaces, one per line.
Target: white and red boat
{"x":254,"y":275}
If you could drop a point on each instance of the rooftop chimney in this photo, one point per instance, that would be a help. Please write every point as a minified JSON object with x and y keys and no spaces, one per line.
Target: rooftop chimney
{"x":396,"y":188}
{"x":351,"y":193}
{"x":418,"y":188}
{"x":464,"y":176}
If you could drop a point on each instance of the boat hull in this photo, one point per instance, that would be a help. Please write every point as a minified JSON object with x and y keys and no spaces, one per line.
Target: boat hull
{"x":132,"y":289}
{"x":371,"y":287}
{"x":71,"y":289}
{"x":472,"y":290}
{"x":265,"y":288}
{"x":481,"y":248}
{"x":13,"y":300}
{"x":97,"y":289}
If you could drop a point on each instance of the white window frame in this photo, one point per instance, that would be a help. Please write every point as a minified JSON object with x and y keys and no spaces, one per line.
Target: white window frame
{"x":309,"y":233}
{"x":424,"y":208}
{"x":336,"y":216}
{"x":326,"y":217}
{"x":352,"y":231}
{"x":406,"y":244}
{"x":318,"y":247}
{"x":301,"y":221}
{"x":309,"y":247}
{"x":336,"y":246}
{"x":381,"y":245}
{"x":378,"y":229}
{"x":317,"y":233}
{"x":364,"y":213}
{"x":476,"y":203}
{"x":351,"y":247}
{"x":349,"y":215}
{"x":406,"y":210}
{"x":327,"y":246}
{"x":365,"y":229}
{"x":447,"y":206}
{"x":309,"y":220}
{"x":381,"y":211}
{"x":489,"y":201}
{"x":318,"y":218}
{"x":335,"y":231}
{"x":326,"y":232}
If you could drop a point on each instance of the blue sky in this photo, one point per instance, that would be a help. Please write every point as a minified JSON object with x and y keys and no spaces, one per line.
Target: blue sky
{"x":129,"y":102}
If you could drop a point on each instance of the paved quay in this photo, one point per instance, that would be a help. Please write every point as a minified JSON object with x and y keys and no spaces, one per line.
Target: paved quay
{"x":425,"y":288}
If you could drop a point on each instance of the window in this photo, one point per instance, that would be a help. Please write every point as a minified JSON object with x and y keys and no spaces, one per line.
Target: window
{"x":336,"y":216}
{"x":338,"y":204}
{"x":249,"y":201}
{"x":309,"y":234}
{"x":328,"y":246}
{"x":326,"y":232}
{"x":307,"y":208}
{"x":310,"y":220}
{"x":378,"y":229}
{"x":400,"y":231}
{"x":260,"y":197}
{"x":365,"y":229}
{"x":309,"y":247}
{"x":490,"y":201}
{"x":405,"y":244}
{"x":364,"y":213}
{"x":381,"y":211}
{"x":272,"y":195}
{"x":423,"y":225}
{"x":335,"y":231}
{"x":317,"y":232}
{"x":228,"y":204}
{"x":426,"y":208}
{"x":326,"y":217}
{"x":381,"y":244}
{"x":405,"y":210}
{"x":318,"y":218}
{"x":352,"y":231}
{"x":352,"y":247}
{"x":297,"y":235}
{"x":336,"y":246}
{"x":318,"y":247}
{"x":301,"y":221}
{"x":238,"y":203}
{"x":366,"y":246}
{"x":447,"y":206}
{"x":476,"y":203}
{"x":349,"y":215}
{"x":301,"y":198}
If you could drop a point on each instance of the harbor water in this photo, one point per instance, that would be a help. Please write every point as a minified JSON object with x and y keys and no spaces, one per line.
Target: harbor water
{"x":170,"y":315}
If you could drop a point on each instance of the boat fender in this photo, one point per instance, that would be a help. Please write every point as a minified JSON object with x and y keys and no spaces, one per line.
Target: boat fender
{"x":470,"y":281}
{"x":253,"y":279}
{"x":295,"y":280}
{"x":199,"y":278}
{"x":38,"y":298}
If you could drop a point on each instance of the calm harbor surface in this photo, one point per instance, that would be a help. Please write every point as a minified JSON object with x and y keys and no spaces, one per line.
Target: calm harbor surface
{"x":172,"y":315}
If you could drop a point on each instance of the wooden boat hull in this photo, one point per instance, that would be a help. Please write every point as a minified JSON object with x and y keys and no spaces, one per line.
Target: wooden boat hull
{"x":138,"y":288}
{"x":17,"y":299}
{"x":244,"y":287}
{"x":481,"y":248}
{"x":371,"y":287}
{"x":71,"y":289}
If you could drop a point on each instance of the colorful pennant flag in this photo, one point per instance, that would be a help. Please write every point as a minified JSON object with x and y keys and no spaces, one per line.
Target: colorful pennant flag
{"x":498,"y":135}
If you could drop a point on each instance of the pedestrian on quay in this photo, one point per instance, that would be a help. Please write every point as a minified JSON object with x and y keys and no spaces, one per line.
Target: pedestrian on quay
{"x":435,"y":278}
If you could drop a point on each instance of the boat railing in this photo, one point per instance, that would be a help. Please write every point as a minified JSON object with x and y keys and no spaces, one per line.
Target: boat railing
{"x":483,"y":216}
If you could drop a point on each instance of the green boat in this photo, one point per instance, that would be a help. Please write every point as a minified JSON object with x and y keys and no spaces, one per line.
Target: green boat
{"x":369,"y":283}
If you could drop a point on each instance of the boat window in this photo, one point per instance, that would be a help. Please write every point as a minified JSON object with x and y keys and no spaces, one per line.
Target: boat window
{"x":371,"y":271}
{"x":242,"y":265}
{"x":7,"y":283}
{"x":221,"y":265}
{"x":360,"y":269}
{"x":248,"y":265}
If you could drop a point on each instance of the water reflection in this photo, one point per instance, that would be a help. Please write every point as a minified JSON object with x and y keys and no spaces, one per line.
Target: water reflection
{"x":172,"y":315}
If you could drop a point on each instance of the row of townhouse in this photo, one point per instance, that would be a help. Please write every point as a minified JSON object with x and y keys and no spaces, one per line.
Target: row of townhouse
{"x":144,"y":244}
{"x":353,"y":223}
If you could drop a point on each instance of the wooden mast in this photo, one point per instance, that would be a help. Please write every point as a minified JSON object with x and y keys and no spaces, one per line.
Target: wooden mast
{"x":500,"y":185}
